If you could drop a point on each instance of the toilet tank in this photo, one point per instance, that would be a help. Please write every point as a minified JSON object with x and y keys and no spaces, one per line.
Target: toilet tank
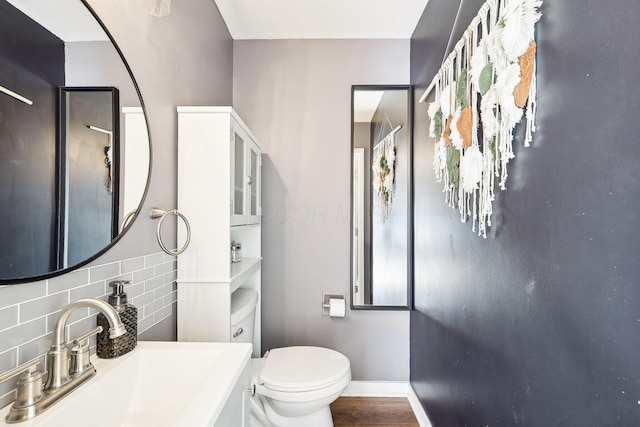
{"x":243,"y":314}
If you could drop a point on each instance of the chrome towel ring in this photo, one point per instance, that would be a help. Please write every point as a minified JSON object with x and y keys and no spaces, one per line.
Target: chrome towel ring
{"x":156,"y":213}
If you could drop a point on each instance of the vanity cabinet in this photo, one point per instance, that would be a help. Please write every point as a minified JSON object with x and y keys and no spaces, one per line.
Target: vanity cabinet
{"x":236,"y":411}
{"x":219,"y":165}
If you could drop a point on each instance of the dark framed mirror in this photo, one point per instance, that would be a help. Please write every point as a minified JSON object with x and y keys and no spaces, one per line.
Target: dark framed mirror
{"x":381,"y":197}
{"x":70,"y":114}
{"x":87,"y":172}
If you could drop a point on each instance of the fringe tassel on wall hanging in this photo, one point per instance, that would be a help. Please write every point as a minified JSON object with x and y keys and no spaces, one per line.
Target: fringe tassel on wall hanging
{"x":481,"y":92}
{"x":383,"y":168}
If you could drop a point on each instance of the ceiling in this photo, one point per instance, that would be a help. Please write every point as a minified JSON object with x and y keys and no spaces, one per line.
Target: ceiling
{"x":261,"y":19}
{"x":321,"y":19}
{"x":69,"y":20}
{"x":365,"y":104}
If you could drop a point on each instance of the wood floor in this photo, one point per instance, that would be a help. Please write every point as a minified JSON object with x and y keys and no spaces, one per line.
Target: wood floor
{"x":373,"y":411}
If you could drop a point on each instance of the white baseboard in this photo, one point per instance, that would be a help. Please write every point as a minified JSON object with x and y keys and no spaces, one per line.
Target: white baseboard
{"x":377,"y":389}
{"x":389,"y":389}
{"x":418,"y":410}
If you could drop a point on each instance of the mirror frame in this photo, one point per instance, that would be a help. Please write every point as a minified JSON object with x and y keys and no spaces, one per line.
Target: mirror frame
{"x":63,"y":163}
{"x":410,"y":197}
{"x":114,"y":241}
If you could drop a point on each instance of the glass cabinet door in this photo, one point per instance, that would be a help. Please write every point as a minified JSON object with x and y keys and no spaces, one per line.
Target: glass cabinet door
{"x":253,"y":181}
{"x":245,"y":179}
{"x":238,"y":197}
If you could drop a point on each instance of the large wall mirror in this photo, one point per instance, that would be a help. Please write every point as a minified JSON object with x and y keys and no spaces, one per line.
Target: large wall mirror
{"x":381,"y":194}
{"x":74,"y":145}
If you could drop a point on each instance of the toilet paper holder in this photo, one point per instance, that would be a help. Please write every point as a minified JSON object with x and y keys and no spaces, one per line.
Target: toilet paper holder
{"x":325,"y":302}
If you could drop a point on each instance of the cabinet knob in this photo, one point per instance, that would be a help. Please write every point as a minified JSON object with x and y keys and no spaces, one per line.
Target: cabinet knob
{"x":250,"y":179}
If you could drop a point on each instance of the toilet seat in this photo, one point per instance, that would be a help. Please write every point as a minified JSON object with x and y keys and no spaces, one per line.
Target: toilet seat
{"x":305,"y":396}
{"x":303,"y":373}
{"x":303,"y":368}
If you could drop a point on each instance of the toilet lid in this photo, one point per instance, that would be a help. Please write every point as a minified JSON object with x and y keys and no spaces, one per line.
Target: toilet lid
{"x":303,"y":368}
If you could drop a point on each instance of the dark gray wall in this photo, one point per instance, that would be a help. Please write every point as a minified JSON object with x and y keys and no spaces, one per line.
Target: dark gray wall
{"x":538,"y":325}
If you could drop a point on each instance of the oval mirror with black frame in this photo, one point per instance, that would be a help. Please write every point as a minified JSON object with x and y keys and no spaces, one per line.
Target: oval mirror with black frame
{"x":381,"y":197}
{"x":74,"y":144}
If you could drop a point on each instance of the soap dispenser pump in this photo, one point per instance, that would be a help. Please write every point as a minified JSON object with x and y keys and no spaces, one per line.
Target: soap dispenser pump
{"x":109,"y":348}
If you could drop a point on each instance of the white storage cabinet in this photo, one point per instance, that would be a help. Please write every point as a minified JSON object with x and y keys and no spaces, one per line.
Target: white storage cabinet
{"x":219,"y":185}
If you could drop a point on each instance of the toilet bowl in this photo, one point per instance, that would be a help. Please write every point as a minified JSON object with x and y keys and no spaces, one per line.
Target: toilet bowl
{"x":294,"y":386}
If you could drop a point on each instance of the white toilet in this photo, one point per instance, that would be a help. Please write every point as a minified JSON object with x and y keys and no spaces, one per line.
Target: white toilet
{"x":294,"y":386}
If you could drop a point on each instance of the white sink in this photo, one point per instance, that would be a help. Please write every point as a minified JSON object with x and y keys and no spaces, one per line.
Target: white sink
{"x":157,"y":384}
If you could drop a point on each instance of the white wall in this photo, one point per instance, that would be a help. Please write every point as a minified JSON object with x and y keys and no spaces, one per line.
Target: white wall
{"x":295,"y":96}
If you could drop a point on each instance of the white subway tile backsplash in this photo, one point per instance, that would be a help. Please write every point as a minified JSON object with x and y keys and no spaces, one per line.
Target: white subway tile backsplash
{"x":170,"y":277}
{"x":76,"y":316}
{"x":51,"y":321}
{"x":142,"y":275}
{"x":16,"y":294}
{"x":43,"y":306}
{"x":134,"y":290}
{"x":155,"y":259}
{"x":8,"y":317}
{"x":67,"y":281}
{"x":8,"y":360}
{"x":171,"y":298}
{"x":103,"y":272}
{"x":89,"y":291}
{"x":151,"y":308}
{"x":163,"y":290}
{"x":18,"y":335}
{"x":154,"y":283}
{"x":32,"y":349}
{"x":166,"y":267}
{"x":145,"y":323}
{"x":142,"y":300}
{"x":6,"y":392}
{"x":28,"y":312}
{"x":78,"y":328}
{"x":163,"y":313}
{"x":132,"y":264}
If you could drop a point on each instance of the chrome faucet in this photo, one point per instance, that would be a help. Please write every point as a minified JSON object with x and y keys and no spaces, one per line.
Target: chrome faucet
{"x":63,"y":377}
{"x":57,"y":360}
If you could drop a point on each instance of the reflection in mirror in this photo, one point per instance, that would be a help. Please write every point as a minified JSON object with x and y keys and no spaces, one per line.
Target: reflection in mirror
{"x":64,"y":188}
{"x":87,"y":170}
{"x":382,"y":146}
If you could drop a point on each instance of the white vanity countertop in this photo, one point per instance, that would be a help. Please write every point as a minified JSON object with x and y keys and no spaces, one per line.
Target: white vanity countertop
{"x":157,"y":384}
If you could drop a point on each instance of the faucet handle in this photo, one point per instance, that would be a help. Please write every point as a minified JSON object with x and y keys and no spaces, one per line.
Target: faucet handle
{"x":81,"y":338}
{"x":27,"y":367}
{"x":80,"y":361}
{"x":29,"y":385}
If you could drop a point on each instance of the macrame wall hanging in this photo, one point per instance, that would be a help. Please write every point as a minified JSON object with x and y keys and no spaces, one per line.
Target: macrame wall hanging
{"x":482,"y":91}
{"x":383,"y":168}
